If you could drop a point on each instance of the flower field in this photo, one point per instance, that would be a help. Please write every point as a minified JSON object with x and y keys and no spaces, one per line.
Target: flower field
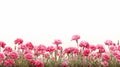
{"x":84,"y":55}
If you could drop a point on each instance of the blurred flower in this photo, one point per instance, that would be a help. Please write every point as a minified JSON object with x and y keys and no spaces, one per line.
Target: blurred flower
{"x":13,"y":55}
{"x":32,"y":62}
{"x":18,"y":41}
{"x":41,"y":48}
{"x":86,"y":52}
{"x":59,"y":48}
{"x":1,"y":61}
{"x":105,"y":57}
{"x":75,"y":37}
{"x":108,"y":42}
{"x":46,"y":55}
{"x":64,"y":64}
{"x":7,"y":49}
{"x":84,"y":44}
{"x":29,"y":45}
{"x":119,"y":47}
{"x":57,"y":42}
{"x":23,"y":47}
{"x":2,"y":56}
{"x":101,"y":48}
{"x":69,"y":50}
{"x":104,"y":63}
{"x":28,"y":56}
{"x":39,"y":63}
{"x":93,"y":47}
{"x":2,"y":44}
{"x":50,"y":49}
{"x":113,"y":48}
{"x":9,"y":62}
{"x":76,"y":51}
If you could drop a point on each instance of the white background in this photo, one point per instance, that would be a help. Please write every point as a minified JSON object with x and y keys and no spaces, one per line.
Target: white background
{"x":42,"y":21}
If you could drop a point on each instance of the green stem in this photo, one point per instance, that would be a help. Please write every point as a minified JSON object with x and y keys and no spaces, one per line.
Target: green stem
{"x":55,"y":55}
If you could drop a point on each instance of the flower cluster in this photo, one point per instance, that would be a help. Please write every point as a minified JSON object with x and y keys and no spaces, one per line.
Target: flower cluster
{"x":84,"y":55}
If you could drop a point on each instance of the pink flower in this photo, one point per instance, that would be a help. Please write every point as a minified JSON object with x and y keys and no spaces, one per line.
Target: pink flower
{"x":27,"y":51}
{"x":59,"y":48}
{"x":102,"y":50}
{"x":69,"y":50}
{"x":7,"y":49}
{"x":13,"y":55}
{"x":96,"y":55}
{"x":105,"y":57}
{"x":28,"y":56}
{"x":64,"y":64}
{"x":76,"y":51}
{"x":104,"y":63}
{"x":108,"y":42}
{"x":57,"y":42}
{"x":40,"y":49}
{"x":50,"y":49}
{"x":18,"y":41}
{"x":53,"y":58}
{"x":93,"y":47}
{"x":113,"y":48}
{"x":23,"y":47}
{"x":1,"y":61}
{"x":46,"y":55}
{"x":2,"y":44}
{"x":86,"y":52}
{"x":29,"y":45}
{"x":58,"y":54}
{"x":32,"y":62}
{"x":114,"y":44}
{"x":39,"y":63}
{"x":84,"y":44}
{"x":117,"y":55}
{"x":119,"y":47}
{"x":2,"y":56}
{"x":75,"y":37}
{"x":9,"y":62}
{"x":99,"y":46}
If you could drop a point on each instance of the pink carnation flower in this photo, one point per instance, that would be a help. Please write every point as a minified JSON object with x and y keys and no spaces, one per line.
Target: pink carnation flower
{"x":23,"y":47}
{"x":28,"y":56}
{"x":57,"y":42}
{"x":84,"y":44}
{"x":2,"y":56}
{"x":7,"y":49}
{"x":1,"y":61}
{"x":39,"y":63}
{"x":113,"y":48}
{"x":75,"y":37}
{"x":9,"y":63}
{"x":13,"y":55}
{"x":86,"y":52}
{"x":29,"y":45}
{"x":18,"y":41}
{"x":2,"y":44}
{"x":64,"y":64}
{"x":108,"y":42}
{"x":105,"y":57}
{"x":50,"y":49}
{"x":32,"y":62}
{"x":104,"y":63}
{"x":93,"y":47}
